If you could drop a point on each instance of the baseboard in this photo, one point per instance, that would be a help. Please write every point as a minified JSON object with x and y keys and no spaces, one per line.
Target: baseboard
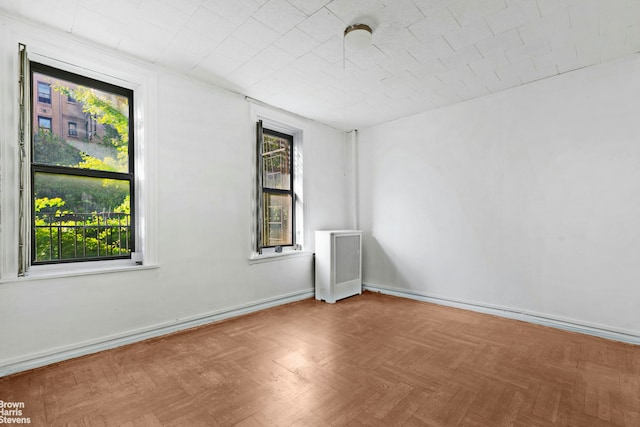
{"x":530,"y":317}
{"x":24,"y":363}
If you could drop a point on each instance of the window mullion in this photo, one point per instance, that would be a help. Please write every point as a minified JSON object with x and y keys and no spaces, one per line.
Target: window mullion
{"x":277,"y":191}
{"x":81,"y":172}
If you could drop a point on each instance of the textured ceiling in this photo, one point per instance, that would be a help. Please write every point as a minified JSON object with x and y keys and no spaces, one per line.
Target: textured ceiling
{"x":289,"y":53}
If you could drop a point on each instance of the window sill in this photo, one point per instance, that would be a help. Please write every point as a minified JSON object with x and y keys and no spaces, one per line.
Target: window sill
{"x":43,"y":272}
{"x":273,"y":256}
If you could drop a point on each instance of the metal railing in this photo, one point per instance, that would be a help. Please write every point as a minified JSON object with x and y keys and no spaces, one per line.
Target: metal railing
{"x":72,"y":236}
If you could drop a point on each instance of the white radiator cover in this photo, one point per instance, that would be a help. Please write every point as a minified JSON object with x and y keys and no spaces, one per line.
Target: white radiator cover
{"x":338,"y":264}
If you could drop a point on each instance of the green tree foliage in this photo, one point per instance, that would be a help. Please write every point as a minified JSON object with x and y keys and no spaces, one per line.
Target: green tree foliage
{"x":82,"y":194}
{"x":48,"y":205}
{"x":106,"y":164}
{"x":125,"y":206}
{"x":52,"y":149}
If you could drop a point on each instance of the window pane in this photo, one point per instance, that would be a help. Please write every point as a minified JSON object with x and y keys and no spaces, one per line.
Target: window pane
{"x":44,"y":123}
{"x":73,"y":129}
{"x":276,"y":156}
{"x":80,"y":217}
{"x":277,"y":220}
{"x":100,"y":137}
{"x":44,"y":93}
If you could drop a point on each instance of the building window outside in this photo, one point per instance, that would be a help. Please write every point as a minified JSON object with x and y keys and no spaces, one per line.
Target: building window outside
{"x":73,"y":129}
{"x":82,"y":200}
{"x":44,"y":123}
{"x":44,"y":93}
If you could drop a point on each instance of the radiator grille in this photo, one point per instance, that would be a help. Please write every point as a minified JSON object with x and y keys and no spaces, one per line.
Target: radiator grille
{"x":347,"y":258}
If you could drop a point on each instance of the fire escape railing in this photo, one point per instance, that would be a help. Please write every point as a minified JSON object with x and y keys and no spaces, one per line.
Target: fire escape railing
{"x":70,"y":236}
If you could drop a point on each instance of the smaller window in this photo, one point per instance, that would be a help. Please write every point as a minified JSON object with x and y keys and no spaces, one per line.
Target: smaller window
{"x":73,"y":129}
{"x":44,"y":123}
{"x":44,"y":93}
{"x":71,"y":99}
{"x":277,"y":189}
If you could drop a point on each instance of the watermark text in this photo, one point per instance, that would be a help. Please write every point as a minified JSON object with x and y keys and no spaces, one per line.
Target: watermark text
{"x":13,"y":413}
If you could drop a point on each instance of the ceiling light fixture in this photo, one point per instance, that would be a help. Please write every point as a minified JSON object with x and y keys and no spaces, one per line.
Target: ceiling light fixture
{"x":357,"y":36}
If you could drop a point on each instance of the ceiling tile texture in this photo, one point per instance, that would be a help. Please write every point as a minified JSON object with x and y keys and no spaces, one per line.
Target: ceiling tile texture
{"x":290,"y":53}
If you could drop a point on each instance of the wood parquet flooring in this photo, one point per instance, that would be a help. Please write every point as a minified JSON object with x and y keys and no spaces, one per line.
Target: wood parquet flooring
{"x":367,"y":360}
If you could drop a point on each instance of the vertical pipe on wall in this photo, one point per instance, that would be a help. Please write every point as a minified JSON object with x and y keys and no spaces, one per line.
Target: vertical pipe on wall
{"x":23,"y":131}
{"x":351,"y":146}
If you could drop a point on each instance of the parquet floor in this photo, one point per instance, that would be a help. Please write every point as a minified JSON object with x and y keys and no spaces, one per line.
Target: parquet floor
{"x":367,"y":360}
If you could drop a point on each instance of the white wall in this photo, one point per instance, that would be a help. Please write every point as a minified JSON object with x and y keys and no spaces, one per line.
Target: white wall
{"x":528,"y":199}
{"x":205,"y":147}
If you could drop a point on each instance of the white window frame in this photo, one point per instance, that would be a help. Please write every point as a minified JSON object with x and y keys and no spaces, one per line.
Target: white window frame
{"x":289,"y":124}
{"x":66,"y":53}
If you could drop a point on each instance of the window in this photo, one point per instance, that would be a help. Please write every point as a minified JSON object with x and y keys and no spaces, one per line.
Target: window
{"x":73,"y":129}
{"x":44,"y":123}
{"x":279,"y":208}
{"x":82,"y":198}
{"x":44,"y":93}
{"x":276,"y":213}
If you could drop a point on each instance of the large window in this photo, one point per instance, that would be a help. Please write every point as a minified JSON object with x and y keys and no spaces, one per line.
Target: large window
{"x":82,"y":183}
{"x":276,"y":216}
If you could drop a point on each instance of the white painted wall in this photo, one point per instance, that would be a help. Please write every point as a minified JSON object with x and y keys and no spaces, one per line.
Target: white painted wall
{"x":205,"y":147}
{"x":528,"y":199}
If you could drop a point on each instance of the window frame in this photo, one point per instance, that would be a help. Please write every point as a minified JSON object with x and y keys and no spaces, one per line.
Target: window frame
{"x":35,"y":168}
{"x":67,"y":53}
{"x":287,"y":123}
{"x":279,"y":192}
{"x":74,"y":129}
{"x":39,"y":127}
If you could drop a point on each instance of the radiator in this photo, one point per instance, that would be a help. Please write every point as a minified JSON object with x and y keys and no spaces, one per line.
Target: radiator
{"x":338,"y":264}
